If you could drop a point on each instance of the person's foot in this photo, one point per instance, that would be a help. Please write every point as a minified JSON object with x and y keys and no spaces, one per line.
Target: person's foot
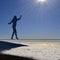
{"x":17,"y":38}
{"x":11,"y":38}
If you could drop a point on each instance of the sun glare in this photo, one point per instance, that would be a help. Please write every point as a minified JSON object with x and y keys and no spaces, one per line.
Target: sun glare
{"x":41,"y":1}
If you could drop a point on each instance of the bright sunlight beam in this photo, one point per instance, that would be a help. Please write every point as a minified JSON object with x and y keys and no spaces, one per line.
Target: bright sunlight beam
{"x":41,"y":1}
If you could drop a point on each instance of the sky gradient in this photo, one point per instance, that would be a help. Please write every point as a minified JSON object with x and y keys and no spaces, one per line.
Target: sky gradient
{"x":38,"y":20}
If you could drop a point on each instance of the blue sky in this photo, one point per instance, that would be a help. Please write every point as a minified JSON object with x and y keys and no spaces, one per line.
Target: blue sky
{"x":38,"y":20}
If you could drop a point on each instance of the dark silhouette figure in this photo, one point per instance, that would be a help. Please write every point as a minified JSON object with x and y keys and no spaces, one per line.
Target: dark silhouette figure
{"x":14,"y":23}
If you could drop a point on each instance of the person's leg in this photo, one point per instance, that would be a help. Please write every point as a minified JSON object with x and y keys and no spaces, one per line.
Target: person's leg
{"x":15,"y":31}
{"x":12,"y":34}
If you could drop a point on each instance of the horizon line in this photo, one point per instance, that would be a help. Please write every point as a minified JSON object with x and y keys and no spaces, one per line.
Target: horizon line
{"x":30,"y":39}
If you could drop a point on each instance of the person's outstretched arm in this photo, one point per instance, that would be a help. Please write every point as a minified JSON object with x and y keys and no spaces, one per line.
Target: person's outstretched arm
{"x":10,"y":22}
{"x":19,"y":17}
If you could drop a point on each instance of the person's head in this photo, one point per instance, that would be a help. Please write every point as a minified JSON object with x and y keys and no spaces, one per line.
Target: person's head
{"x":15,"y":16}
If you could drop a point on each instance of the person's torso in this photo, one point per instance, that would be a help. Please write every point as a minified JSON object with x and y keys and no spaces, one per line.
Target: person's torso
{"x":14,"y":22}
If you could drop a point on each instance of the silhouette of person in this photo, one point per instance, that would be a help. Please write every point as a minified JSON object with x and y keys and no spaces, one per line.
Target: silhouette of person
{"x":14,"y":23}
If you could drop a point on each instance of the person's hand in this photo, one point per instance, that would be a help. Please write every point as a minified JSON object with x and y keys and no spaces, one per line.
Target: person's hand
{"x":8,"y":23}
{"x":20,"y":16}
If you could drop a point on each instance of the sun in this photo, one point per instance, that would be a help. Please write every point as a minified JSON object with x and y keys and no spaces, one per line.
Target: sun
{"x":41,"y":1}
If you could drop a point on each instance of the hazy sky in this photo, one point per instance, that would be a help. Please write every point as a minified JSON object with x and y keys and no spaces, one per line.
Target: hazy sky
{"x":39,"y":20}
